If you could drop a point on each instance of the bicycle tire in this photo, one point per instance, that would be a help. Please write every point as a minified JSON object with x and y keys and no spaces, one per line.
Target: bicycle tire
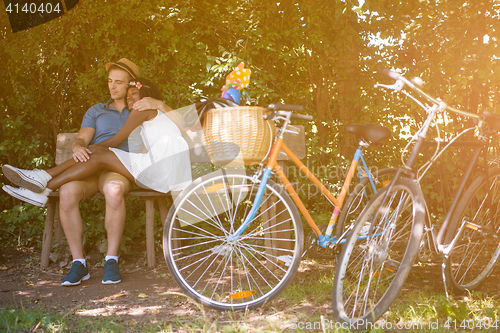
{"x":475,"y":253}
{"x":375,"y":268}
{"x":226,"y":274}
{"x":359,"y":198}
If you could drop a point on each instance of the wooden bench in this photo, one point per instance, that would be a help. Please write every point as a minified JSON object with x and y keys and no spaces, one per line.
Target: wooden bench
{"x":53,"y":229}
{"x":52,"y":222}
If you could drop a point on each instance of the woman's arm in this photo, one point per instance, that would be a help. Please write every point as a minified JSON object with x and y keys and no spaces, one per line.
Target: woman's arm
{"x":147,"y":103}
{"x":134,"y":119}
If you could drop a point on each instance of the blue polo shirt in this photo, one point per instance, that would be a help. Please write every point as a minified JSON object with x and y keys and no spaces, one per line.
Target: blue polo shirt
{"x":106,"y":121}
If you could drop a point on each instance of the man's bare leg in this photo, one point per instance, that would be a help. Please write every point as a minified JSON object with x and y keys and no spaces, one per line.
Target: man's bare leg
{"x":71,"y":220}
{"x":114,"y":221}
{"x":70,"y":196}
{"x":114,"y":187}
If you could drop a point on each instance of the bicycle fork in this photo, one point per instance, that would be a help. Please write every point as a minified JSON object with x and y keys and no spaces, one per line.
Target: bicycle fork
{"x":446,"y":249}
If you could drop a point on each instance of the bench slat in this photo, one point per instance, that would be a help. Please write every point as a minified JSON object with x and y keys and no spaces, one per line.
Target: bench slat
{"x":132,"y":193}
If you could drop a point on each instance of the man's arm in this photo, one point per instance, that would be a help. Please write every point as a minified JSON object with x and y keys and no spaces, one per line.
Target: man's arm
{"x":80,"y":151}
{"x":148,"y":103}
{"x":134,"y":119}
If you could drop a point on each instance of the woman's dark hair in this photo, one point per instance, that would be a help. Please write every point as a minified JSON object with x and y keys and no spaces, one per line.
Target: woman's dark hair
{"x":146,"y":88}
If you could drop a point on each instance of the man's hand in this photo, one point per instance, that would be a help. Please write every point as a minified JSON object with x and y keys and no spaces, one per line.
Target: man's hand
{"x":81,"y":154}
{"x":80,"y":151}
{"x":148,"y":103}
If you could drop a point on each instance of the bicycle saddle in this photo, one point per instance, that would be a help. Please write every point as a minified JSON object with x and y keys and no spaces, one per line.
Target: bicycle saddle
{"x":492,"y":120}
{"x":375,"y":134}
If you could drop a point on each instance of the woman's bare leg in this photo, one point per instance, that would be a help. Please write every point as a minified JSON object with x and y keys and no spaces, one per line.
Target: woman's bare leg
{"x":57,"y":170}
{"x":102,"y":159}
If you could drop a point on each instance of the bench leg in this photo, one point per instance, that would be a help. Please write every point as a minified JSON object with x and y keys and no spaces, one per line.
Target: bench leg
{"x":58,"y":230}
{"x":162,"y":205}
{"x":150,"y":233}
{"x":275,"y":229}
{"x":47,"y":233}
{"x":175,"y":231}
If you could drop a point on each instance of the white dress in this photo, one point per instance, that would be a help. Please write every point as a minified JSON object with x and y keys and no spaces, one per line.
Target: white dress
{"x":166,"y":165}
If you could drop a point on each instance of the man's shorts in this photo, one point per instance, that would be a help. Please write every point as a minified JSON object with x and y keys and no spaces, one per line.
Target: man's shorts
{"x":95,"y":183}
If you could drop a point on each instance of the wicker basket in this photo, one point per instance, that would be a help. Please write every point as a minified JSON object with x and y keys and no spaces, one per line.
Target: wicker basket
{"x":237,"y":136}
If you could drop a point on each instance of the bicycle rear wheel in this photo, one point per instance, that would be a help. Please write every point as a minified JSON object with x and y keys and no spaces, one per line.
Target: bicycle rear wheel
{"x":477,"y":249}
{"x":378,"y":255}
{"x":224,"y":273}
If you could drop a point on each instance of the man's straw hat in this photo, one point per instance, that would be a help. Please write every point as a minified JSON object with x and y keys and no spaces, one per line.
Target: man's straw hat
{"x":126,"y":65}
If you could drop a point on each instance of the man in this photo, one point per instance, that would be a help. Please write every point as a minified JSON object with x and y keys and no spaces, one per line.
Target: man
{"x":101,"y":122}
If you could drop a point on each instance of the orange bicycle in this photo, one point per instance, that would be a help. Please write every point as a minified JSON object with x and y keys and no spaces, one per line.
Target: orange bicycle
{"x":233,"y":239}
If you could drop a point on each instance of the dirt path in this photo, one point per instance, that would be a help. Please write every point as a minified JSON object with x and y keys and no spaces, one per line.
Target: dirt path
{"x":22,"y":279}
{"x":144,"y":296}
{"x":151,"y":295}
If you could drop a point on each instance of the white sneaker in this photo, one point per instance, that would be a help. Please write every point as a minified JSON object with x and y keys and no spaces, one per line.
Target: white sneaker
{"x":37,"y":199}
{"x":34,"y":180}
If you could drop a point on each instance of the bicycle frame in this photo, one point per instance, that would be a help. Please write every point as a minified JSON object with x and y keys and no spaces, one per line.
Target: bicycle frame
{"x":272,"y":165}
{"x":444,"y":242}
{"x":441,"y":241}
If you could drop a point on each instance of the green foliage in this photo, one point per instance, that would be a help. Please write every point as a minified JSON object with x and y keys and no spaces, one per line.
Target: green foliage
{"x":317,"y":291}
{"x":18,"y":145}
{"x":322,"y":54}
{"x":93,"y":214}
{"x":42,"y":319}
{"x":21,"y":320}
{"x":22,"y":226}
{"x":449,"y":310}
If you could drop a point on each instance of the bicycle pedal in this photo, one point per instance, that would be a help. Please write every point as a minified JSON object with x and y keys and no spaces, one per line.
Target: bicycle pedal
{"x":390,"y":269}
{"x":473,"y":226}
{"x":285,"y":260}
{"x":391,"y":266}
{"x":387,"y":271}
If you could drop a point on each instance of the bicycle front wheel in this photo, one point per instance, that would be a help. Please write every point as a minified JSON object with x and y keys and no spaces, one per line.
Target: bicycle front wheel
{"x":378,"y":254}
{"x":359,"y":198}
{"x":225,"y":272}
{"x":477,"y":248}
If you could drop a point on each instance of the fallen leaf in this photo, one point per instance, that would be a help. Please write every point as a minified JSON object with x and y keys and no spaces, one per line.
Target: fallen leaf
{"x":142,"y":295}
{"x":54,"y":256}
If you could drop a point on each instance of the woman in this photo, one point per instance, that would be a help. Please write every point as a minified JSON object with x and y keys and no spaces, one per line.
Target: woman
{"x":163,"y":167}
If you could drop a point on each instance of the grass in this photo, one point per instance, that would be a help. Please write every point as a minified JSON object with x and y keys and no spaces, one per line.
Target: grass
{"x":434,"y":313}
{"x":318,"y":291}
{"x":415,"y":312}
{"x":40,"y":319}
{"x":304,"y":306}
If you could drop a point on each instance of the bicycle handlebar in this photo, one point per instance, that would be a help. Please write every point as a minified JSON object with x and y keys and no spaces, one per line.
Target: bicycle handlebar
{"x":284,"y":109}
{"x":301,"y":117}
{"x":389,"y":73}
{"x":401,"y":78}
{"x":287,"y":107}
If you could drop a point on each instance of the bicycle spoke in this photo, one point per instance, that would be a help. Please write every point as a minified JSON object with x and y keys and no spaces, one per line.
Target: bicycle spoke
{"x":224,"y":271}
{"x":370,"y":266}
